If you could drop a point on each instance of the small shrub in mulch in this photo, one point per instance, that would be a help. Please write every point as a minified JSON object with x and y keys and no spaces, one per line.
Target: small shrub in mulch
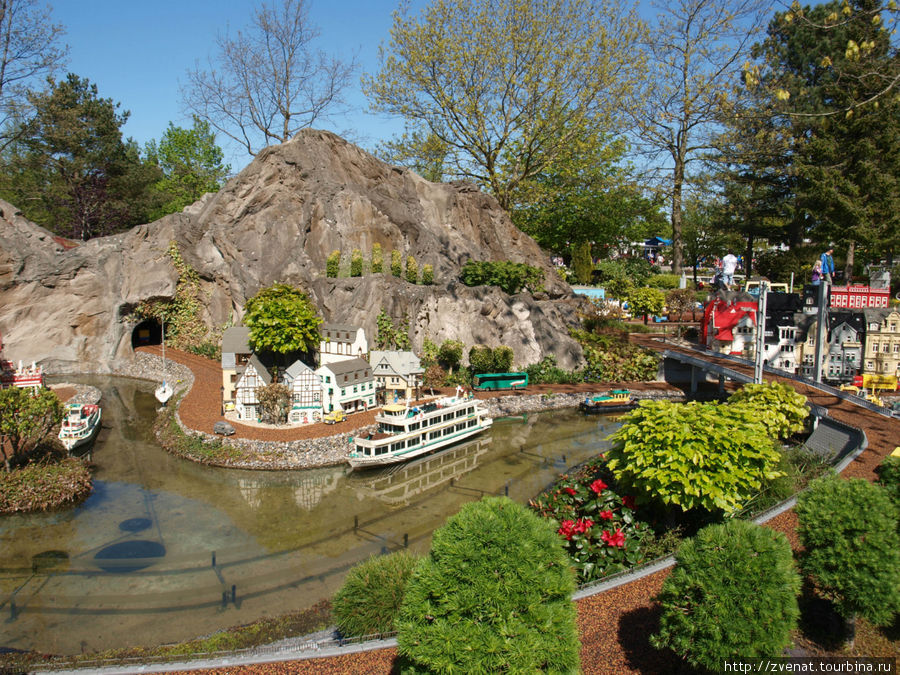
{"x":370,"y":599}
{"x":492,"y":596}
{"x":44,"y":485}
{"x":733,"y":591}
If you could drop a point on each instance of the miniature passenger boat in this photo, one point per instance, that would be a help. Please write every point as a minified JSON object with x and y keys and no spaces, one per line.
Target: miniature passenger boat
{"x":79,"y":425}
{"x":406,"y":432}
{"x":618,"y":400}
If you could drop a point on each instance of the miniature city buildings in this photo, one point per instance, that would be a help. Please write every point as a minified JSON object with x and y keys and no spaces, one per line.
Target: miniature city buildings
{"x":235,"y":356}
{"x":255,"y":375}
{"x":24,"y":377}
{"x":397,"y":373}
{"x":347,"y":385}
{"x":306,"y":393}
{"x":340,"y":342}
{"x":882,"y":342}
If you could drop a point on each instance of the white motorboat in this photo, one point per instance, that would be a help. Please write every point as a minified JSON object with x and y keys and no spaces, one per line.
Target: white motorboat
{"x":81,"y":423}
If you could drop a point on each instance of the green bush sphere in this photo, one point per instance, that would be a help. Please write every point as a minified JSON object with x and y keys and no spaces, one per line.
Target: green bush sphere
{"x":733,"y":591}
{"x":370,"y":599}
{"x":848,"y":529}
{"x":493,"y":596}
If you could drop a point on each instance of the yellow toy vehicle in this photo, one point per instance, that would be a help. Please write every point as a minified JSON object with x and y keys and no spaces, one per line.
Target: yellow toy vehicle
{"x":334,"y":417}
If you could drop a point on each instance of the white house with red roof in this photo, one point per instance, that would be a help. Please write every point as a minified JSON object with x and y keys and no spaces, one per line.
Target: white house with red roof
{"x":730,"y":324}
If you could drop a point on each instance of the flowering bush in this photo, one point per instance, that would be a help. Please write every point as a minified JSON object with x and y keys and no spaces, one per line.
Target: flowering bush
{"x":601,"y":532}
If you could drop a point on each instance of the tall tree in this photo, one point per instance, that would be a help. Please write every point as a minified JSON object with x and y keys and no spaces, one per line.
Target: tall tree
{"x":507,"y":85}
{"x":695,"y":50}
{"x":30,"y":51}
{"x":70,"y":170}
{"x":282,"y":320}
{"x":846,"y":180}
{"x":268,"y":82}
{"x":586,"y":198}
{"x":191,"y":163}
{"x":423,"y":152}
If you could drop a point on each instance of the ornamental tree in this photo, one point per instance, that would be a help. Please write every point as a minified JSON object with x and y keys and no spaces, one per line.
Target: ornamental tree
{"x":851,"y":549}
{"x":780,"y":406}
{"x":733,"y":591}
{"x":282,"y":319}
{"x":493,"y":595}
{"x":645,"y":301}
{"x":693,"y":455}
{"x":25,"y":419}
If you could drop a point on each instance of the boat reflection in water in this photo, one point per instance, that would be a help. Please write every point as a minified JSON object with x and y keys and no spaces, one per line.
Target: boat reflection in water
{"x":399,"y":483}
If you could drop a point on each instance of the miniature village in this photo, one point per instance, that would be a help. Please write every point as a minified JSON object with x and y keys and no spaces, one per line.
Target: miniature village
{"x":349,"y":377}
{"x":861,"y":344}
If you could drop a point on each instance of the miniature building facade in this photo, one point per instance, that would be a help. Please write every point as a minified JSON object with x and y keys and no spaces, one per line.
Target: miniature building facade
{"x":306,"y":394}
{"x":858,"y":297}
{"x":347,"y":385}
{"x":246,"y":402}
{"x":882,"y":342}
{"x":235,"y":356}
{"x":397,"y":373}
{"x":340,"y":342}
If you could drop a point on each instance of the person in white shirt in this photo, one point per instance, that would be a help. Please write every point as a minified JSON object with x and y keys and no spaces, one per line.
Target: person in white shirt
{"x":729,"y":265}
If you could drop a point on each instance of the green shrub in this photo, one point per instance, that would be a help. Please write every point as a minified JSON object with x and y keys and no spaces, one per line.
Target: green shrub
{"x":370,"y":599}
{"x":503,"y":359}
{"x":44,"y":486}
{"x":509,"y":276}
{"x":598,"y":526}
{"x":333,"y":265}
{"x":780,"y":406}
{"x":427,"y":275}
{"x":646,"y":301}
{"x":377,"y":259}
{"x":693,"y":455}
{"x":494,"y":595}
{"x":848,"y":529}
{"x":889,"y":478}
{"x":547,"y":372}
{"x":396,"y":265}
{"x":733,"y":591}
{"x":582,"y":262}
{"x":481,"y":359}
{"x":412,"y":270}
{"x":665,"y":282}
{"x":356,"y":263}
{"x":450,"y":354}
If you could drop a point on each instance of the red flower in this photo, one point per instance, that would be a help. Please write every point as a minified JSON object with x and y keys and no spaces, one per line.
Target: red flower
{"x":571,"y":491}
{"x":567,"y":529}
{"x":628,"y":502}
{"x":616,"y":540}
{"x":583,"y":525}
{"x":598,"y":486}
{"x":606,"y":515}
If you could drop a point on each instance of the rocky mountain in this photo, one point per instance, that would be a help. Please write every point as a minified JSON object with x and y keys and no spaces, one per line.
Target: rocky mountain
{"x":278,"y":220}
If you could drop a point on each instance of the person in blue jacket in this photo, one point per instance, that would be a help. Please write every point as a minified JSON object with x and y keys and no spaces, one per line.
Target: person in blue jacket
{"x":828,"y":265}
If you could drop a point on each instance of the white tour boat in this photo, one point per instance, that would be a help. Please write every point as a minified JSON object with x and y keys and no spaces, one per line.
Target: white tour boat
{"x":79,"y":425}
{"x":406,"y":432}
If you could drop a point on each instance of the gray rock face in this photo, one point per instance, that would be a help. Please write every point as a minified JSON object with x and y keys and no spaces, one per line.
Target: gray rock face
{"x":278,"y":220}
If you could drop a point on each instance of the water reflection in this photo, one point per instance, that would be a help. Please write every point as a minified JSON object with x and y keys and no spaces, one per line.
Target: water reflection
{"x":166,"y":549}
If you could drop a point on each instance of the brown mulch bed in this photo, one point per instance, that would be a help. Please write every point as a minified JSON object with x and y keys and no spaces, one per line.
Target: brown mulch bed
{"x":614,"y":625}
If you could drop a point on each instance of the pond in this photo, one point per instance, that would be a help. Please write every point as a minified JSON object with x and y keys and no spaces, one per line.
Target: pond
{"x":165,"y":549}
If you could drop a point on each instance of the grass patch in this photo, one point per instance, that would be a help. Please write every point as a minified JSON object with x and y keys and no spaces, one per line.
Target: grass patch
{"x":44,"y":485}
{"x":175,"y":440}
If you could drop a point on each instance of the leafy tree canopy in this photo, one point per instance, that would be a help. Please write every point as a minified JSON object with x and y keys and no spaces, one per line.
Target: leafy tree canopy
{"x":191,"y":163}
{"x":26,"y":419}
{"x":507,"y":85}
{"x":282,"y":319}
{"x":70,"y":170}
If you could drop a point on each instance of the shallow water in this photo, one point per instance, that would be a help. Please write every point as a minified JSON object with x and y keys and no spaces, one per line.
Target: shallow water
{"x":165,"y":549}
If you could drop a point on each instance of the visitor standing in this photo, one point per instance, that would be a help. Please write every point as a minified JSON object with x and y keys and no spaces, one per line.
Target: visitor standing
{"x":827,"y":265}
{"x":817,"y":273}
{"x":729,"y":265}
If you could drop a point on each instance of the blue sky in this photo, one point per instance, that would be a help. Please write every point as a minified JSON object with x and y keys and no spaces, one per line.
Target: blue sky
{"x":137,"y":53}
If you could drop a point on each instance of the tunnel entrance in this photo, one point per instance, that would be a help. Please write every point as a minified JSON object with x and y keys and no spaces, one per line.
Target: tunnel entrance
{"x":147,"y":332}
